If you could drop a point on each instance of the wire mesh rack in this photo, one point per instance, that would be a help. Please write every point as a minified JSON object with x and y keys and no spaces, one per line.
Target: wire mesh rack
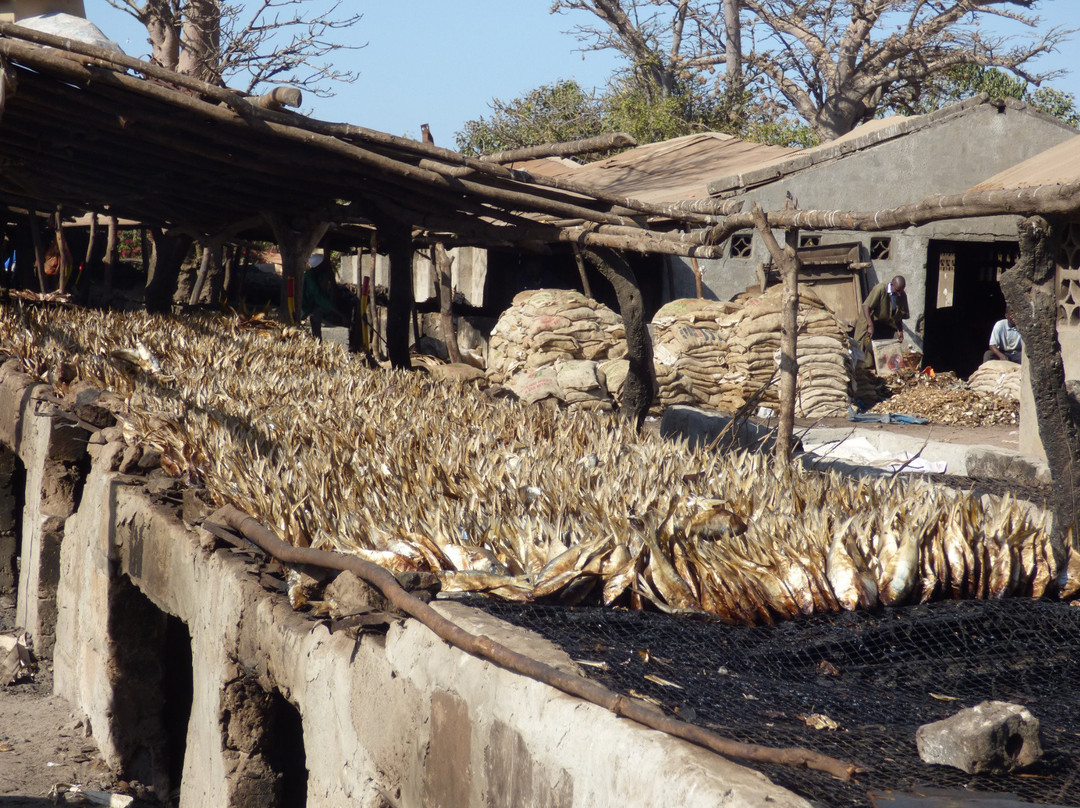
{"x":877,"y":676}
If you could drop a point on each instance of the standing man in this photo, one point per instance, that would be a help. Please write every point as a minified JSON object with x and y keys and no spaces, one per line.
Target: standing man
{"x":1005,"y":341}
{"x":884,"y":312}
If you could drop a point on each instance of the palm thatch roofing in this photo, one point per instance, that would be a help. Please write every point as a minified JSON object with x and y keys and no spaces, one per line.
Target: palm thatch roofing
{"x":84,"y":128}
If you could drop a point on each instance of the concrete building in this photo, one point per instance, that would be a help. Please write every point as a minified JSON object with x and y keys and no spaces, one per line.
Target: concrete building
{"x":951,"y":267}
{"x":1051,"y":170}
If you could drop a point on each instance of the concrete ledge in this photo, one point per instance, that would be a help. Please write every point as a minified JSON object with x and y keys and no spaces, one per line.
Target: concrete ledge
{"x":825,"y":449}
{"x":701,"y":428}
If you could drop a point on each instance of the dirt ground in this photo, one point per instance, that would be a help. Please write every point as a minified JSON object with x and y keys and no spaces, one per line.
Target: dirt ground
{"x":43,"y":743}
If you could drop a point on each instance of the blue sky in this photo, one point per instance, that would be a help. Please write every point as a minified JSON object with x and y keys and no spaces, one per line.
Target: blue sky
{"x":442,"y":62}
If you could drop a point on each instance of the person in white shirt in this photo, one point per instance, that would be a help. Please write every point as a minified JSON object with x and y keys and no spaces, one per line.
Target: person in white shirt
{"x":1005,"y":341}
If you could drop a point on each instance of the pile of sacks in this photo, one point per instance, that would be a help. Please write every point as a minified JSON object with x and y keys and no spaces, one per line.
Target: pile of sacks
{"x":825,"y":367}
{"x":718,"y":355}
{"x":998,"y":377}
{"x":546,"y":326}
{"x":559,"y":346}
{"x":691,"y":345}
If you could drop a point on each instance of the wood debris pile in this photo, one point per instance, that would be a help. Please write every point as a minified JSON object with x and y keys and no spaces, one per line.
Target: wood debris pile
{"x":945,"y":400}
{"x":519,"y":502}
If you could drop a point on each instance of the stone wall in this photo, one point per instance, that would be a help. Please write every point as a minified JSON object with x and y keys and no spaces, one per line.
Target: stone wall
{"x":194,"y":676}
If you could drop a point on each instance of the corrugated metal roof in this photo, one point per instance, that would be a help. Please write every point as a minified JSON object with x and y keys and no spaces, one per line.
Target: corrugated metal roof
{"x":1059,"y":165}
{"x":669,"y":171}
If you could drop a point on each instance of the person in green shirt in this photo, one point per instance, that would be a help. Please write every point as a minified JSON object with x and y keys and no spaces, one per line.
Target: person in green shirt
{"x":320,"y":293}
{"x":884,"y":312}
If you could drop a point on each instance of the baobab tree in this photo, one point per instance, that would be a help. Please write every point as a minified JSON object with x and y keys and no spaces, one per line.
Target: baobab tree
{"x":835,"y":63}
{"x":256,"y":43}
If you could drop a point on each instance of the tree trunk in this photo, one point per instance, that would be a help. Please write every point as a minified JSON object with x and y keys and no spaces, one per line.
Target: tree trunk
{"x":200,"y":51}
{"x":733,"y":54}
{"x":169,"y":254}
{"x":443,"y":267}
{"x":163,"y":33}
{"x":641,"y":376}
{"x":1031,"y":295}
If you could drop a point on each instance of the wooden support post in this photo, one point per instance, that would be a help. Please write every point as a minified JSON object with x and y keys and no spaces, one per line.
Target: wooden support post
{"x":65,"y":261}
{"x":787,"y":260}
{"x":698,"y":286}
{"x":39,"y":249}
{"x":200,"y":277}
{"x":444,"y":264}
{"x":169,"y":252}
{"x":110,"y":255}
{"x":296,"y":242}
{"x":1030,"y":289}
{"x":585,"y":288}
{"x":398,"y":240}
{"x":641,"y":376}
{"x":144,"y":253}
{"x":91,"y":242}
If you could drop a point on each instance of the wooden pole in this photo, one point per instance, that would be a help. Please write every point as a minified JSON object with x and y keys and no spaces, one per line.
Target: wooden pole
{"x":585,"y":288}
{"x":200,"y":277}
{"x":698,"y":286}
{"x":444,"y":264}
{"x":91,"y":241}
{"x":398,"y":239}
{"x":608,"y":142}
{"x":39,"y":249}
{"x":110,"y":255}
{"x":492,"y":651}
{"x":787,"y":260}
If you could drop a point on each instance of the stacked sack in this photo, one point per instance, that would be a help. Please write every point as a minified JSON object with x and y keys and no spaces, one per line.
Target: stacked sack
{"x":691,"y":339}
{"x":546,"y":326}
{"x":824,"y":359}
{"x":998,"y":377}
{"x":576,"y":384}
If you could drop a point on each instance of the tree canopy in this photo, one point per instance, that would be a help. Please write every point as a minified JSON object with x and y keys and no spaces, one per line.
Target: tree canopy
{"x":834,"y":63}
{"x":564,"y":111}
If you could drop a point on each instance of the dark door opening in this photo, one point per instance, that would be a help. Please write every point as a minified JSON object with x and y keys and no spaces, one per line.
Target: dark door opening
{"x":154,"y":688}
{"x":286,"y":754}
{"x":12,"y":504}
{"x":963,"y":301}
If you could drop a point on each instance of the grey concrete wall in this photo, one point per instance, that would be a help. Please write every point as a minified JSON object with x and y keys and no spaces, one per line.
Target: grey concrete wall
{"x":401,"y":712}
{"x":949,"y":153}
{"x":1030,"y":442}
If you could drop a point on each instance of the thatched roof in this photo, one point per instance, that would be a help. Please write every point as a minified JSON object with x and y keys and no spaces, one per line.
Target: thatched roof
{"x":87,"y":129}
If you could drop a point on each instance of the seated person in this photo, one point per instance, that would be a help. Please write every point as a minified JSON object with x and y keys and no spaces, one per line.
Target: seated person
{"x":1005,"y":341}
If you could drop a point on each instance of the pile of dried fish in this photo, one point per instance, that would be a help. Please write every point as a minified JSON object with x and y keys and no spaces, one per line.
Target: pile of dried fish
{"x":523,"y":503}
{"x":943,"y":399}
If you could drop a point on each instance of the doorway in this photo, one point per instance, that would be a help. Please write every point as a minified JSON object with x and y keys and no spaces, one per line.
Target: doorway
{"x":963,"y":301}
